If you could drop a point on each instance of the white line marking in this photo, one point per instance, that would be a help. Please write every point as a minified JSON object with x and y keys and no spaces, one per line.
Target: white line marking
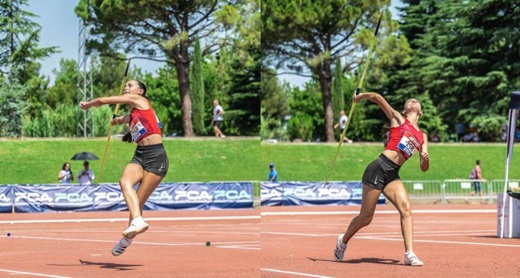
{"x":394,"y":234}
{"x":294,"y":273}
{"x":443,"y":241}
{"x":280,"y":213}
{"x":126,"y":219}
{"x":244,"y":247}
{"x":12,"y":272}
{"x":138,"y":242}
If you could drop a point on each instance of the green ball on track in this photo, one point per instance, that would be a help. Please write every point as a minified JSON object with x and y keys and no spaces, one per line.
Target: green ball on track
{"x":208,"y":243}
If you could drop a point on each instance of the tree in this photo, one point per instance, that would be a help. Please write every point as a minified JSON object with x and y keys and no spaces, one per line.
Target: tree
{"x":465,"y":58}
{"x":338,"y":100}
{"x":197,"y":89}
{"x":160,"y":30}
{"x":19,"y":37}
{"x":306,"y":36}
{"x":12,"y":107}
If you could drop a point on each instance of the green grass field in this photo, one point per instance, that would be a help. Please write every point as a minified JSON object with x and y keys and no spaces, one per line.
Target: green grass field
{"x":237,"y":159}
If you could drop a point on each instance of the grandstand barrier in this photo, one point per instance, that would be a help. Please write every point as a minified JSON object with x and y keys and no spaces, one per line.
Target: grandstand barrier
{"x":108,"y":197}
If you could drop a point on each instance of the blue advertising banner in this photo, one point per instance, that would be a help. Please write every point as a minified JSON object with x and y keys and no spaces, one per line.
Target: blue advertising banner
{"x":212,"y":195}
{"x":108,"y":197}
{"x":6,"y":201}
{"x":41,"y":198}
{"x":312,"y":193}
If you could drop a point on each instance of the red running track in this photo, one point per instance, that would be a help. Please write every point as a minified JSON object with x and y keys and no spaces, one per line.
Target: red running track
{"x":452,"y":240}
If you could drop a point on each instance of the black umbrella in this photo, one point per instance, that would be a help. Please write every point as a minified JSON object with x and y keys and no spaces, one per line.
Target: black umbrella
{"x":84,"y":156}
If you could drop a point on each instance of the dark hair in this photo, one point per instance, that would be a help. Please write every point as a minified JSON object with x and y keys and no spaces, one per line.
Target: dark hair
{"x":128,"y":136}
{"x":478,"y":162}
{"x":63,"y":167}
{"x":142,"y":86}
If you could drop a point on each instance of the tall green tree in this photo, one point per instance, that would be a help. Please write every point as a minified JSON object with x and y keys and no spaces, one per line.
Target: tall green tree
{"x":157,"y":30}
{"x":338,"y":99}
{"x":465,"y":58}
{"x":12,"y":107}
{"x":19,"y":37}
{"x":306,"y":36}
{"x":197,"y":90}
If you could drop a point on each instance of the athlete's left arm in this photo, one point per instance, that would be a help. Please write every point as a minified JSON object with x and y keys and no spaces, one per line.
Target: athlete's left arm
{"x":425,"y":157}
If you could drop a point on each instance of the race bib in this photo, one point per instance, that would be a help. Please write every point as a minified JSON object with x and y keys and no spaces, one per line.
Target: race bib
{"x":409,"y":144}
{"x":137,"y":129}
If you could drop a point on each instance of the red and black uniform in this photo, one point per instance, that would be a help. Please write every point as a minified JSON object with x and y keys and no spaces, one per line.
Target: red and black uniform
{"x":143,"y":123}
{"x":405,"y":139}
{"x":152,"y":158}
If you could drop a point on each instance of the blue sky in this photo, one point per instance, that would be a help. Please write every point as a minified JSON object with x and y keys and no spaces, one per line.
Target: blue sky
{"x":60,"y":27}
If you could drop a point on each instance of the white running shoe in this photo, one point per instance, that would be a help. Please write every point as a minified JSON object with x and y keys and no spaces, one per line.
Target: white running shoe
{"x":121,"y":246}
{"x":137,"y":226}
{"x":411,"y":259}
{"x":339,"y":252}
{"x":223,"y":136}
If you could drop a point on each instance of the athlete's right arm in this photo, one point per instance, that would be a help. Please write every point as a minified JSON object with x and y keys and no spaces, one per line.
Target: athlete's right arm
{"x":132,"y":100}
{"x":376,"y":98}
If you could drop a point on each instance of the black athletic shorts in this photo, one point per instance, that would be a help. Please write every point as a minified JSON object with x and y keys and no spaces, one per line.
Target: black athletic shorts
{"x":216,"y":123}
{"x":152,"y":158}
{"x":381,"y":172}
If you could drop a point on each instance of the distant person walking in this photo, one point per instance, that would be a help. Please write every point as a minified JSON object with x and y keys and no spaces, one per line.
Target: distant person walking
{"x":218,"y":117}
{"x":341,"y":124}
{"x":476,"y":174}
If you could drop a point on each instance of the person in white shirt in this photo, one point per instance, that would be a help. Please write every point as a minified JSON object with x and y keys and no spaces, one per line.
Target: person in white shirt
{"x":341,"y":124}
{"x":86,"y":176}
{"x":218,"y":117}
{"x":65,"y":175}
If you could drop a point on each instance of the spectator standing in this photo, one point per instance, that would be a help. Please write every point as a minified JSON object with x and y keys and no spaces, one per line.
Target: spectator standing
{"x":65,"y":175}
{"x":86,"y":176}
{"x":273,"y":174}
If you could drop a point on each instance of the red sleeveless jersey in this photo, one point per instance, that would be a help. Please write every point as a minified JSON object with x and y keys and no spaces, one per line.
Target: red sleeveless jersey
{"x":405,"y":139}
{"x":143,"y":123}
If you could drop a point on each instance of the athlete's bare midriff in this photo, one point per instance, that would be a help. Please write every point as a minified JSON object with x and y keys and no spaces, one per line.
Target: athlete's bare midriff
{"x":397,"y":157}
{"x":150,"y":140}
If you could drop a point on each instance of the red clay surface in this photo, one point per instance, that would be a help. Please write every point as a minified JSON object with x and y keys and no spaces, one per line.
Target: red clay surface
{"x":450,"y":243}
{"x":173,"y":246}
{"x":452,"y":240}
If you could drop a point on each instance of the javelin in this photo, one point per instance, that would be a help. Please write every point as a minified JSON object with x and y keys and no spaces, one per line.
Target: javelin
{"x":121,"y":90}
{"x":358,"y":90}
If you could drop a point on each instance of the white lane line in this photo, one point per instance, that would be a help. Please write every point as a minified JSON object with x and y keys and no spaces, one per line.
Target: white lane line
{"x":393,"y":234}
{"x":137,"y":242}
{"x":428,"y":211}
{"x":444,"y":241}
{"x":294,"y":273}
{"x":126,"y":219}
{"x":242,"y":247}
{"x":13,"y":272}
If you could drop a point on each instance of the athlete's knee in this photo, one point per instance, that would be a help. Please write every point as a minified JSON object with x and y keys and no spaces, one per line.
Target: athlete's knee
{"x":125,"y":183}
{"x":405,"y":208}
{"x":365,"y":220}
